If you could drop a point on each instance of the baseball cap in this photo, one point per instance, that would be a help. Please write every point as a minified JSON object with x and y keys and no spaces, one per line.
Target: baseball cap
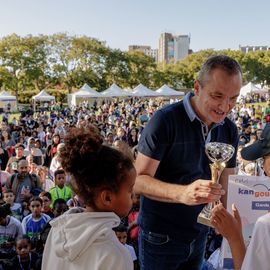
{"x":260,"y":148}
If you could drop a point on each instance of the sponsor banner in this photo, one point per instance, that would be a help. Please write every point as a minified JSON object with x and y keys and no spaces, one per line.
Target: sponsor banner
{"x":251,"y":195}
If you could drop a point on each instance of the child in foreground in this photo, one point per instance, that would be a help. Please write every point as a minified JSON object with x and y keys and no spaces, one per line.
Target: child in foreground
{"x":25,"y":259}
{"x":33,"y":224}
{"x":103,"y":178}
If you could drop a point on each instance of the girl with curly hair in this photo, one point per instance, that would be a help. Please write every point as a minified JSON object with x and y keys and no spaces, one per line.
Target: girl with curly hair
{"x":103,"y":178}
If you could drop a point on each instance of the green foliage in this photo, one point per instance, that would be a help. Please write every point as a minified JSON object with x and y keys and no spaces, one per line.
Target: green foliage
{"x":64,"y":63}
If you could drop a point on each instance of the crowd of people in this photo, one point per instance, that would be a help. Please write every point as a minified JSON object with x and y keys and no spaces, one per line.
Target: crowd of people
{"x":67,"y":177}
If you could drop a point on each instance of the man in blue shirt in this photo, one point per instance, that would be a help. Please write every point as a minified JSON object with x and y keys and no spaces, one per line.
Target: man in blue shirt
{"x":173,"y":169}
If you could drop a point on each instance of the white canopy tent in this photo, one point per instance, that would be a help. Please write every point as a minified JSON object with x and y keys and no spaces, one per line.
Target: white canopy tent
{"x":90,"y":90}
{"x":166,"y":91}
{"x":249,"y":89}
{"x":85,"y":94}
{"x":142,"y":91}
{"x":42,"y":96}
{"x":115,"y":91}
{"x":7,"y":101}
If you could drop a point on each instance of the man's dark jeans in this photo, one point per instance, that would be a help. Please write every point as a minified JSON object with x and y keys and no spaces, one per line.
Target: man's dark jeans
{"x":162,"y":252}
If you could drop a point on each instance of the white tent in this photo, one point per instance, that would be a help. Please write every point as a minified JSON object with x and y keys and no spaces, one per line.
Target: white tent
{"x":90,"y":90}
{"x":249,"y":89}
{"x":7,"y":101}
{"x":142,"y":91}
{"x":115,"y":91}
{"x":86,"y":94}
{"x":166,"y":91}
{"x":42,"y":96}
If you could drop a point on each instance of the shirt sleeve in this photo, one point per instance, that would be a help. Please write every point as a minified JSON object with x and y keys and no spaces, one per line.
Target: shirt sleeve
{"x":154,"y":139}
{"x":257,"y":255}
{"x":24,"y":225}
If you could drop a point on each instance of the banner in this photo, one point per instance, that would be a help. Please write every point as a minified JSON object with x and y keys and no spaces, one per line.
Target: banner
{"x":251,"y":195}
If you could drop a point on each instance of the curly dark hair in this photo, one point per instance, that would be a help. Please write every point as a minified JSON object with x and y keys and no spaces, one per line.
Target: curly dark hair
{"x":92,"y":165}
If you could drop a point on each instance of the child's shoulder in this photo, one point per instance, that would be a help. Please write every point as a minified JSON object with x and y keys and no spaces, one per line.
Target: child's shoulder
{"x":45,"y":216}
{"x":14,"y":220}
{"x":16,"y":206}
{"x":52,"y":189}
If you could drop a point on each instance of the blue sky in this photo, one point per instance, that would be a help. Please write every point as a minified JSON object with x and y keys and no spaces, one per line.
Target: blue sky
{"x":217,"y":24}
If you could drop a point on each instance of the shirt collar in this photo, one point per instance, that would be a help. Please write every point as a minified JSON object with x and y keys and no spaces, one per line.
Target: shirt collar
{"x":190,"y":112}
{"x":187,"y":104}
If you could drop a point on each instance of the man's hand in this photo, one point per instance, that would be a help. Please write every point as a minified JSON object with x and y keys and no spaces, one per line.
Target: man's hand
{"x":200,"y":192}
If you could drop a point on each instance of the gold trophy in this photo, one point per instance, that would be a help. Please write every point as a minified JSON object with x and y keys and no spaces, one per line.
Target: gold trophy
{"x":219,"y":154}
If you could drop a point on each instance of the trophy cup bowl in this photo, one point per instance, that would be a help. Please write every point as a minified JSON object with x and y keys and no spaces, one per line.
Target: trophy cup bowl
{"x":219,"y":154}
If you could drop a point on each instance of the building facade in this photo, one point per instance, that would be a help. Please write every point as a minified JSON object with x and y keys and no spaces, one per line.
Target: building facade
{"x":246,"y":49}
{"x":173,"y":48}
{"x":147,"y":50}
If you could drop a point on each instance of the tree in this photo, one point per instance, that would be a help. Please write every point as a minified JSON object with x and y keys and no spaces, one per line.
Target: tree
{"x":24,"y":62}
{"x":141,"y":69}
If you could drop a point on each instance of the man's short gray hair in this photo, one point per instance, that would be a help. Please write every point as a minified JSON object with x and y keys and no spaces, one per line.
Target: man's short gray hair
{"x":226,"y":63}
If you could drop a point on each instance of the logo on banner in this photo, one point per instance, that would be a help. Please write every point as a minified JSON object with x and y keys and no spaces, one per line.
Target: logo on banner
{"x":263,"y":192}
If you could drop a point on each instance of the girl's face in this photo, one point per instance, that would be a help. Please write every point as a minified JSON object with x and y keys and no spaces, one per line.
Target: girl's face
{"x":46,"y":202}
{"x":56,"y":139}
{"x":42,"y":173}
{"x":122,"y":200}
{"x":35,"y":207}
{"x":133,"y":132}
{"x":23,"y":248}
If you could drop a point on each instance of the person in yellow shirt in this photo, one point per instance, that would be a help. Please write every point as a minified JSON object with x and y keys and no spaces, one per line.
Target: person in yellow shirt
{"x":259,"y":113}
{"x":60,"y":190}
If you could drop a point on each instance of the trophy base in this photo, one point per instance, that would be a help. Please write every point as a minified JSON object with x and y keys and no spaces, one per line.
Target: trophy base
{"x":202,"y":219}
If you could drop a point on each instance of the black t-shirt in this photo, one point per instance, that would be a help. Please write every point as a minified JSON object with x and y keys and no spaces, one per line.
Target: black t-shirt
{"x":178,"y":143}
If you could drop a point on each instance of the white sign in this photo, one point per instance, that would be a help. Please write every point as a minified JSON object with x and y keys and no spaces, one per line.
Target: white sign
{"x":251,"y":195}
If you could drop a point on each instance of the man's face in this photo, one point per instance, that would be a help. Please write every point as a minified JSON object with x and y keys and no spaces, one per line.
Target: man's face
{"x":217,"y":96}
{"x":23,"y":167}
